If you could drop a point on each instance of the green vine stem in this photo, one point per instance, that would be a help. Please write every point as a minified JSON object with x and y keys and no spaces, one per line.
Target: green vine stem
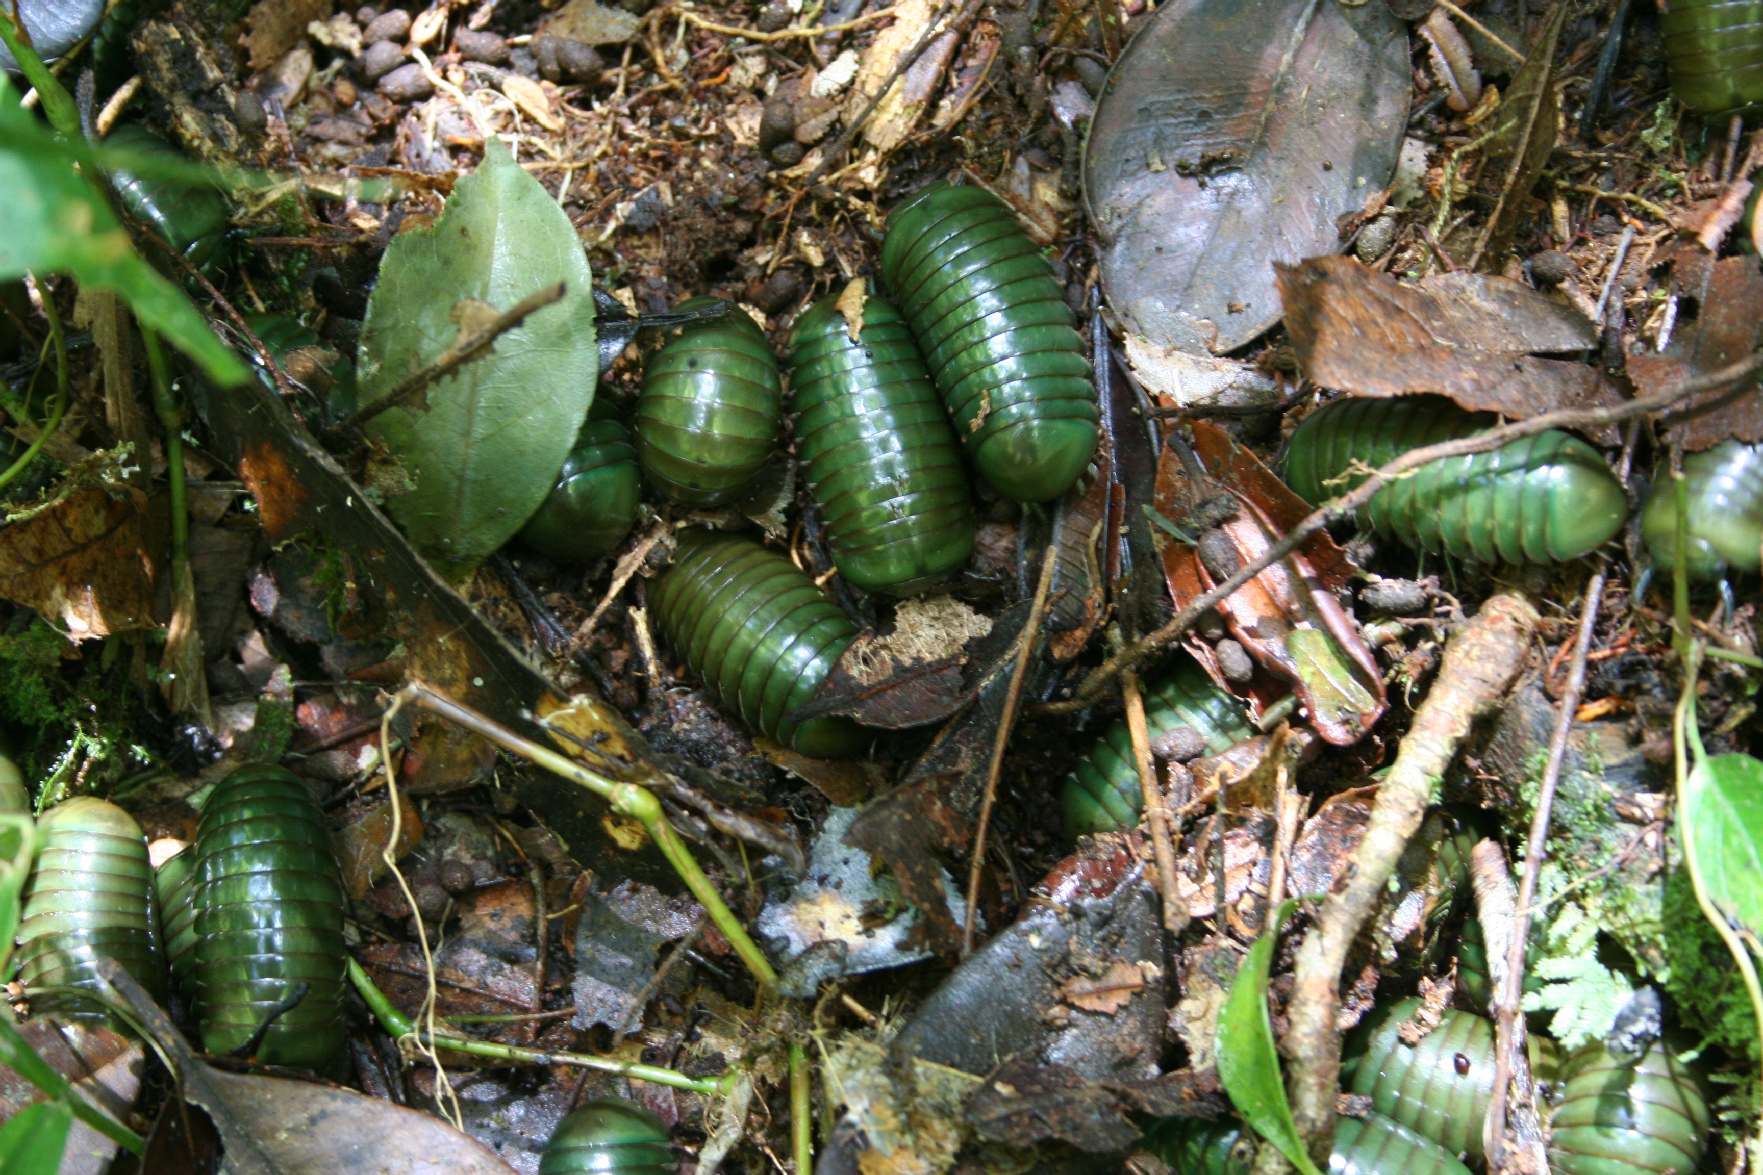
{"x":801,"y":1109}
{"x":627,"y":799}
{"x":399,"y":1025}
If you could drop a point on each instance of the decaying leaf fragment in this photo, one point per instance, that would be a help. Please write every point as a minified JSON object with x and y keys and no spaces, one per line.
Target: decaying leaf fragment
{"x":83,"y":562}
{"x":1729,"y":325}
{"x":1485,"y":342}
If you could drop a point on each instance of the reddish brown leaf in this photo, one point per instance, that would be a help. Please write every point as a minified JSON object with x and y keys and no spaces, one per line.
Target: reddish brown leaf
{"x":1475,"y":338}
{"x":1728,"y":326}
{"x":82,"y":562}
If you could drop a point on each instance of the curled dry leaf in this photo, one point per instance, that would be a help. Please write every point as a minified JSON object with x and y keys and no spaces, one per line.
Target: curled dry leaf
{"x":83,"y":562}
{"x":895,"y":116}
{"x":1480,"y":340}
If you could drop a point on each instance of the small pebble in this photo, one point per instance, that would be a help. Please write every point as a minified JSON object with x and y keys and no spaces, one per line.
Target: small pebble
{"x":344,"y":92}
{"x":788,"y":154}
{"x":381,"y":58}
{"x":774,"y":293}
{"x":1551,"y":268}
{"x":1211,"y":626}
{"x":249,"y":114}
{"x":456,"y":877}
{"x":1375,"y":239}
{"x":1234,"y":662}
{"x":391,"y":25}
{"x":774,"y":16}
{"x":487,"y":48}
{"x":1092,"y":74}
{"x":1218,"y":554}
{"x":1393,"y":597}
{"x":1179,"y":745}
{"x":365,"y":14}
{"x":564,"y":59}
{"x":431,"y":900}
{"x":1213,"y":511}
{"x":777,"y":123}
{"x":406,"y":83}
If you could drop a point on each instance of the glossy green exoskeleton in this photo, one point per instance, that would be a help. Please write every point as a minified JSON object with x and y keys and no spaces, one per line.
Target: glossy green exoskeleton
{"x":1000,"y":342}
{"x":759,"y":633}
{"x":1724,"y":530}
{"x":192,"y":219}
{"x":1628,"y":1117}
{"x":174,"y":882}
{"x":882,"y":463}
{"x":594,"y":503}
{"x":1103,"y":793}
{"x":711,"y":412}
{"x":89,"y":896}
{"x":268,"y":898}
{"x":608,"y":1138}
{"x":1438,"y":1088}
{"x":1715,"y":51}
{"x":1372,"y":1145}
{"x":1539,"y":499}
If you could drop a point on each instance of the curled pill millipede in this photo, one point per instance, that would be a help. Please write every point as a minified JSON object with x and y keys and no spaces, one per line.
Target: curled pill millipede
{"x":1103,"y":793}
{"x":192,"y":219}
{"x":1438,"y":1088}
{"x":1545,"y":498}
{"x":1723,"y":487}
{"x":89,"y":897}
{"x":1715,"y":52}
{"x":1372,"y":1145}
{"x":268,"y":898}
{"x":594,"y":503}
{"x":610,"y":1138}
{"x":711,"y":411}
{"x":997,"y":336}
{"x":1643,"y":1116}
{"x":174,"y":882}
{"x":882,"y":463}
{"x":760,"y":635}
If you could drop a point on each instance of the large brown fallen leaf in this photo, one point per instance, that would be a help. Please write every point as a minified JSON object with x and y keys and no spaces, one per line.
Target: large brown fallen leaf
{"x":1481,"y":340}
{"x":1728,"y":326}
{"x":1231,"y":134}
{"x":82,"y":561}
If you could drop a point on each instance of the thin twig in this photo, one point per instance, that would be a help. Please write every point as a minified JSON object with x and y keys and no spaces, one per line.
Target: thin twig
{"x":1137,"y":653}
{"x":690,"y":16}
{"x":1175,"y":911}
{"x":1030,"y":640}
{"x":1486,"y":33}
{"x":1496,"y":901}
{"x":456,"y":357}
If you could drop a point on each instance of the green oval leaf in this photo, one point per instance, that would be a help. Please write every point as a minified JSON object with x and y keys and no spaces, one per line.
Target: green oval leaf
{"x":481,"y":447}
{"x":1721,"y":810}
{"x":1248,"y":1063}
{"x":35,"y":1138}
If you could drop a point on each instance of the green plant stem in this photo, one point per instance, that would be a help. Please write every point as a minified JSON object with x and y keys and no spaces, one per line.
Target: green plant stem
{"x":628,"y":800}
{"x":58,"y":105}
{"x":801,"y":1110}
{"x":17,"y":1054}
{"x":171,"y":419}
{"x":398,"y":1024}
{"x":49,"y":429}
{"x":1719,"y":654}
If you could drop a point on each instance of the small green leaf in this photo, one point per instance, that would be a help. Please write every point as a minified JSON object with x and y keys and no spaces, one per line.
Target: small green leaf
{"x":52,"y":220}
{"x":34,"y":1139}
{"x":1248,"y":1064}
{"x":1721,"y":814}
{"x":481,"y":447}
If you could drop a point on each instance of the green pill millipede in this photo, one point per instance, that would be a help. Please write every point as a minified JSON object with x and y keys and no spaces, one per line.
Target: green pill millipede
{"x":593,"y":505}
{"x":1715,"y":51}
{"x":89,"y":896}
{"x":882,"y":463}
{"x":1102,"y":794}
{"x":192,"y":218}
{"x":1000,"y":342}
{"x":1372,"y":1145}
{"x":1545,"y":498}
{"x":269,"y":918}
{"x":1723,"y":487}
{"x":611,"y":1138}
{"x":1472,"y":966}
{"x":1628,"y":1117}
{"x":711,"y":411}
{"x":174,"y":882}
{"x":15,"y":797}
{"x":759,"y":633}
{"x":1438,"y":1088}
